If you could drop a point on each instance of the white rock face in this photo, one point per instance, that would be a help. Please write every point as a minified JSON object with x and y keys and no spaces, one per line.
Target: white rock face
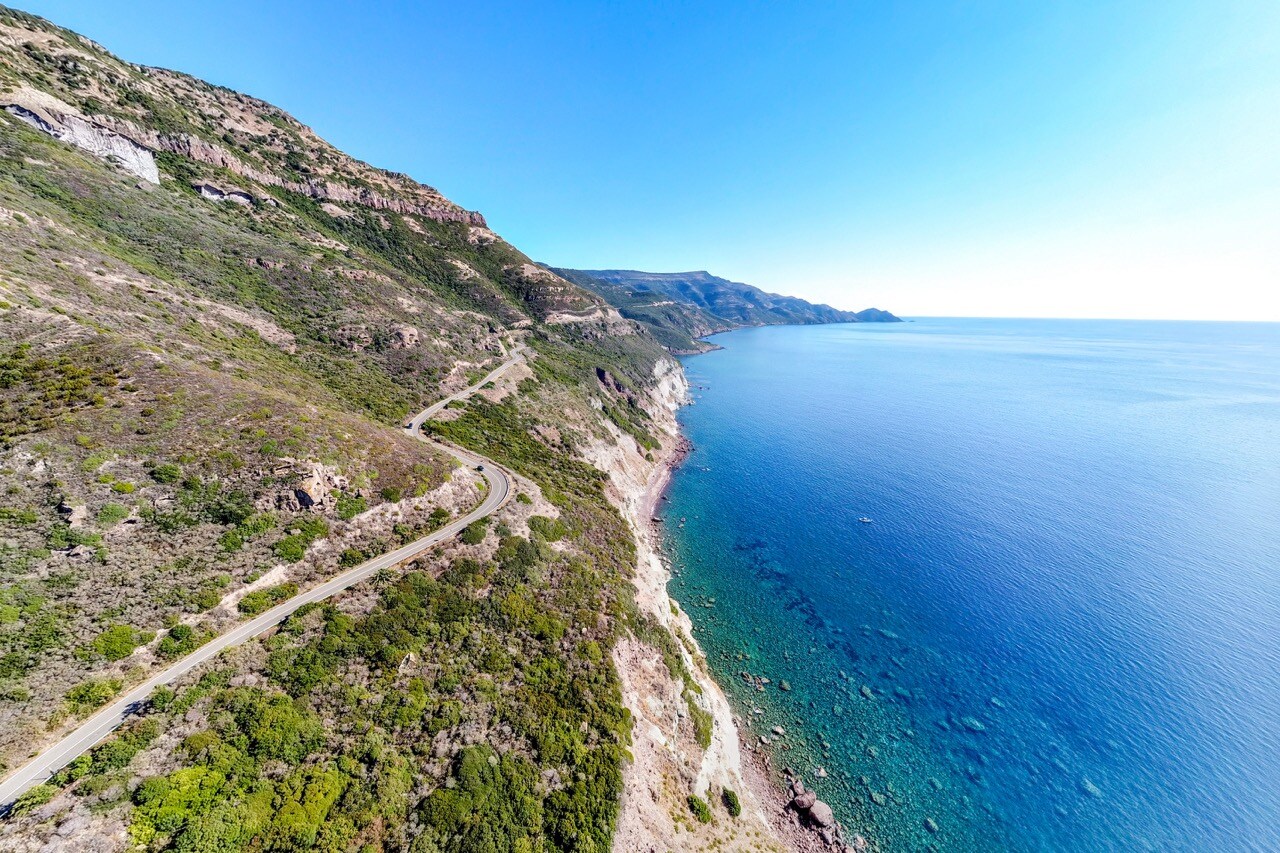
{"x":217,"y":193}
{"x":62,"y":121}
{"x":98,"y":141}
{"x":101,"y":142}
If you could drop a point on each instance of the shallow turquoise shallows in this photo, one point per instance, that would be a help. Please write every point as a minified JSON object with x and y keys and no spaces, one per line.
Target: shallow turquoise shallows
{"x":1060,"y":627}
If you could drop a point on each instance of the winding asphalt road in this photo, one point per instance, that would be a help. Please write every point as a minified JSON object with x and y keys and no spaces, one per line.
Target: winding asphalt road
{"x":108,"y":719}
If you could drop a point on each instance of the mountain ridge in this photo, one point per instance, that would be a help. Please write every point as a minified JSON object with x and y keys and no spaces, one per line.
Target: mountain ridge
{"x":682,"y":308}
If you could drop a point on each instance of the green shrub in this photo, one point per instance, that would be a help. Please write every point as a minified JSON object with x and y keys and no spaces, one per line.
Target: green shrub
{"x":474,"y":533}
{"x":209,"y":501}
{"x":291,"y":549}
{"x":33,"y":799}
{"x":349,"y":506}
{"x":94,"y":461}
{"x":703,"y":722}
{"x":63,"y":535}
{"x":181,"y":640}
{"x":550,"y":529}
{"x":24,"y":515}
{"x":731,"y":802}
{"x":166,"y":473}
{"x":119,"y":641}
{"x":254,"y":525}
{"x":351,"y":557}
{"x":171,"y":521}
{"x":492,"y":804}
{"x":92,"y":694}
{"x":700,"y":809}
{"x":118,"y":752}
{"x":123,"y":487}
{"x":294,"y":546}
{"x":264,"y":599}
{"x":206,"y":598}
{"x":112,"y":513}
{"x":161,"y":697}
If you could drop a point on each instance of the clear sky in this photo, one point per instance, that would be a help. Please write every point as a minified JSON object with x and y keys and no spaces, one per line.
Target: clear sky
{"x":969,"y":157}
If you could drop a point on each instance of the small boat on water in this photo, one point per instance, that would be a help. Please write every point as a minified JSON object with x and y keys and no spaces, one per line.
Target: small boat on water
{"x":865,"y":520}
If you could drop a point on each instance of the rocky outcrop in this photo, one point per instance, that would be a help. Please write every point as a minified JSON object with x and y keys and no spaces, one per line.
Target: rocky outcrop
{"x":429,"y":204}
{"x":611,"y":384}
{"x":74,"y":514}
{"x":404,"y":337}
{"x":817,"y":816}
{"x":217,"y":193}
{"x":317,"y":486}
{"x":133,"y":146}
{"x":84,"y":134}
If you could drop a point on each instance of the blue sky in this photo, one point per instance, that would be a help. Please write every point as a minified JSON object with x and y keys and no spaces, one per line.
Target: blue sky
{"x":1081,"y":159}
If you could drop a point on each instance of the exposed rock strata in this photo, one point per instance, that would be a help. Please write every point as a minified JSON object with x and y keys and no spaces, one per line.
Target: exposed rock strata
{"x":133,"y":147}
{"x":84,"y":134}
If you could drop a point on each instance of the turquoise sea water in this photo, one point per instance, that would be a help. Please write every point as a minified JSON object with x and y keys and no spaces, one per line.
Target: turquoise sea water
{"x":1061,"y":630}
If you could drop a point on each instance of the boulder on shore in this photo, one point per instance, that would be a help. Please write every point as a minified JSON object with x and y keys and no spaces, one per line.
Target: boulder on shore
{"x":821,"y":814}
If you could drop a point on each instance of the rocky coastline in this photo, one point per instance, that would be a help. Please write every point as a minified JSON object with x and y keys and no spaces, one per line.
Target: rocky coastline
{"x":795,"y":817}
{"x":678,"y":785}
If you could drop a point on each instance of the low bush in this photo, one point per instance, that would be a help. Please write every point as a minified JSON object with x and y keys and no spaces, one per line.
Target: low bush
{"x":264,"y":599}
{"x":119,"y":641}
{"x":349,"y":506}
{"x":181,"y":640}
{"x":294,"y":546}
{"x":111,"y":513}
{"x":550,"y":529}
{"x":166,"y":473}
{"x":33,"y":799}
{"x":474,"y":533}
{"x":92,"y":694}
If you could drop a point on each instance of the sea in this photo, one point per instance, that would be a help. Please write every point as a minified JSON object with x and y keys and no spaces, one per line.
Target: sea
{"x":1014,"y":584}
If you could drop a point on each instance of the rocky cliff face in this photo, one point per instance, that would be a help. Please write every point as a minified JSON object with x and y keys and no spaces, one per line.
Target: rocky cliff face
{"x":134,"y":147}
{"x":684,"y":739}
{"x":43,"y":113}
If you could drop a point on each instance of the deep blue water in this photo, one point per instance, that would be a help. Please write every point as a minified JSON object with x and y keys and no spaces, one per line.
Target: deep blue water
{"x":1067,"y":608}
